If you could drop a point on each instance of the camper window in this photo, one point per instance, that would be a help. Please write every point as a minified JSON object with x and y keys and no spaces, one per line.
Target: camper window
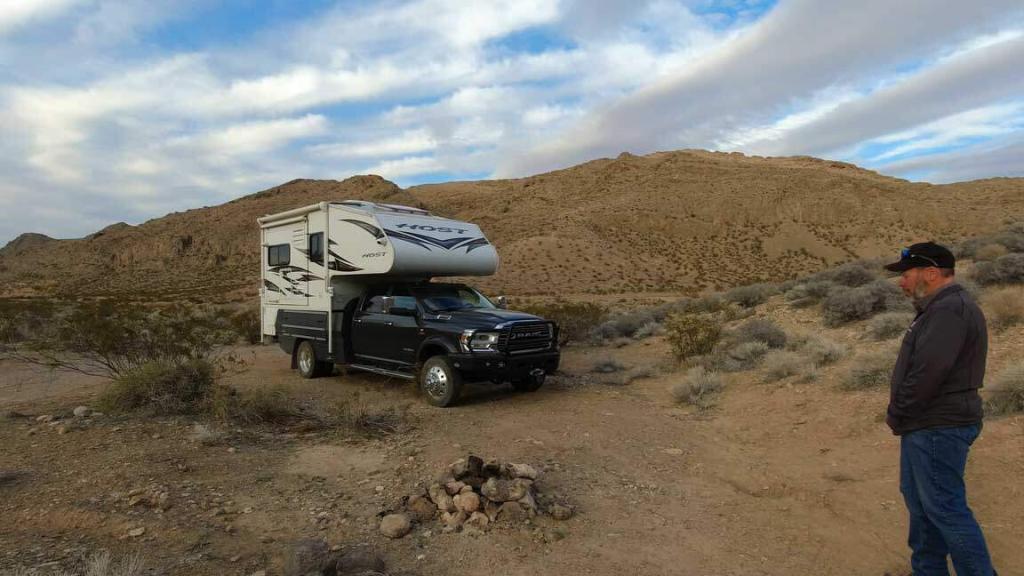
{"x":316,"y":248}
{"x":279,"y":255}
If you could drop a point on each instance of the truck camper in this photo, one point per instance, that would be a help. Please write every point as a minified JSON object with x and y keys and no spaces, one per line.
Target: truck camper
{"x":355,"y":284}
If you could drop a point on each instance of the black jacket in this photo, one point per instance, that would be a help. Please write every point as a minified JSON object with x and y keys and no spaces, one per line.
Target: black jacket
{"x":941,"y":365}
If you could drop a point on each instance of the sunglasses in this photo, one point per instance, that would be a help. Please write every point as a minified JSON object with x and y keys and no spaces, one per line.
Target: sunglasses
{"x":906,"y":255}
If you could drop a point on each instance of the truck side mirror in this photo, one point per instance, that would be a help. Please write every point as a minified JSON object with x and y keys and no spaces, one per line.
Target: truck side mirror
{"x":503,"y":302}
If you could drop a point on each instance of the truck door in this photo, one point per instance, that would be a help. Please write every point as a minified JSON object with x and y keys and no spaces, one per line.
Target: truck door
{"x":369,"y":340}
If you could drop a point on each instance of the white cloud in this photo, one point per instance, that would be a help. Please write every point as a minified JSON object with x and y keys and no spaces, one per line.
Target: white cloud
{"x":18,"y":13}
{"x":408,"y":142}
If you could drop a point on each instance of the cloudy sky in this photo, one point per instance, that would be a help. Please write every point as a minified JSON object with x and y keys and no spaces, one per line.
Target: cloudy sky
{"x":124,"y":110}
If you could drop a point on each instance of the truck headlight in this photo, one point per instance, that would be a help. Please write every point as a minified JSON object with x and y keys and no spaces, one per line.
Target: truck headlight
{"x":476,"y":341}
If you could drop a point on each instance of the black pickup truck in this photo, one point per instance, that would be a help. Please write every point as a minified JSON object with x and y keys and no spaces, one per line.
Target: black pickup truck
{"x":439,"y":334}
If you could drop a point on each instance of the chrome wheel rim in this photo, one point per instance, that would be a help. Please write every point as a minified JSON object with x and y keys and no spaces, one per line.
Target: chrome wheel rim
{"x":436,"y":382}
{"x":305,"y":359}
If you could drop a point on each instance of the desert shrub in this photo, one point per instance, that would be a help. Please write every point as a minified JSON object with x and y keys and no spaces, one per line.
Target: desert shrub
{"x":575,"y":320}
{"x":751,"y":295}
{"x":1008,"y":269}
{"x":373,"y":421}
{"x":870,"y":371}
{"x":1006,"y":394}
{"x":889,"y":325}
{"x":741,"y":357}
{"x":99,"y":564}
{"x":760,"y":330}
{"x":161,"y":387}
{"x":648,"y":330}
{"x":990,"y":252}
{"x":624,"y":325}
{"x":706,"y":304}
{"x":850,"y":304}
{"x":111,"y":339}
{"x":607,"y":366}
{"x":698,"y":387}
{"x":820,"y":350}
{"x":779,"y":364}
{"x":1005,"y":307}
{"x":851,"y":274}
{"x":809,"y":293}
{"x":692,"y":334}
{"x":246,"y":324}
{"x":625,"y":377}
{"x":972,"y":287}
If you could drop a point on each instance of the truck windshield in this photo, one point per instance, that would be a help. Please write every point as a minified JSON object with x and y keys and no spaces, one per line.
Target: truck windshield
{"x":447,"y":297}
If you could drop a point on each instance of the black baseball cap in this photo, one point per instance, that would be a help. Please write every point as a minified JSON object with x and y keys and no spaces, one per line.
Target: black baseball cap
{"x":923,"y":255}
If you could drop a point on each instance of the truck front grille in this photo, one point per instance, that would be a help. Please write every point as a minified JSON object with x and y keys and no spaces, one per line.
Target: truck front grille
{"x":523,"y":338}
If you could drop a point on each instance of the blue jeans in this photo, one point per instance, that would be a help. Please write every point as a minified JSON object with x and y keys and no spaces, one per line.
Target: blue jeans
{"x":932,"y":463}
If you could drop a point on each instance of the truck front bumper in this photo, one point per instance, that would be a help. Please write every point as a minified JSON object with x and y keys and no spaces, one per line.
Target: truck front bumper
{"x":504,"y":367}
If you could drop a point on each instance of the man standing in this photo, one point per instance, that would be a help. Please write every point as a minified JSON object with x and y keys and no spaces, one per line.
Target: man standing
{"x":935,"y":408}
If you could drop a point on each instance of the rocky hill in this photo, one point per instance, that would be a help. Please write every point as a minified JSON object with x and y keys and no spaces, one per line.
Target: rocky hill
{"x":667,"y":222}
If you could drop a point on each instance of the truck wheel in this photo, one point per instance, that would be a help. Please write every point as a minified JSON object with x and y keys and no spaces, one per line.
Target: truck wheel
{"x":306,"y":360}
{"x":531,"y":383}
{"x":440,"y":381}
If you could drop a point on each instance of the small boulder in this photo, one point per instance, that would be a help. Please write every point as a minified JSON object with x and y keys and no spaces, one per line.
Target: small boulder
{"x":421,"y":509}
{"x":459,"y":469}
{"x":395,"y":525}
{"x":511,"y":512}
{"x":454,"y":487}
{"x":478,"y":520}
{"x":467,"y":502}
{"x":81,"y":411}
{"x":475,"y":466}
{"x":306,"y":556}
{"x":529,"y":504}
{"x":501,"y":490}
{"x":521,"y":471}
{"x":491,"y":510}
{"x":439,"y":496}
{"x":492,"y":468}
{"x":454,"y":519}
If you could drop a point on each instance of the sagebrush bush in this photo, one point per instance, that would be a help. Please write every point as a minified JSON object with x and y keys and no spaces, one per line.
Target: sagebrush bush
{"x":575,"y":320}
{"x":760,"y":330}
{"x":692,"y":334}
{"x":99,"y":564}
{"x":607,"y":366}
{"x":698,"y":387}
{"x":1004,"y":307}
{"x":1008,"y":269}
{"x":741,"y":357}
{"x":648,"y":330}
{"x":851,"y":274}
{"x":889,"y":325}
{"x":809,"y":293}
{"x":851,"y":304}
{"x":779,"y":364}
{"x":870,"y":371}
{"x":818,"y":349}
{"x":990,"y":252}
{"x":1006,"y":394}
{"x":751,"y":295}
{"x":247,"y":324}
{"x":161,"y":387}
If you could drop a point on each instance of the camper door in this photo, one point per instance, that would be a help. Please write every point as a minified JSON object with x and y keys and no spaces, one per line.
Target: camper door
{"x":285,"y":277}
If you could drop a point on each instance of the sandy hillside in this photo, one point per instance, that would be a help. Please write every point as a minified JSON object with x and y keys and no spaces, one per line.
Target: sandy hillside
{"x":668,"y":222}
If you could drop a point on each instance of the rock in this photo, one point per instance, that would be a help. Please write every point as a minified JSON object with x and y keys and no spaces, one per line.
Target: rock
{"x":307,"y":555}
{"x":82,"y":411}
{"x":465,"y":489}
{"x":501,"y":490}
{"x":395,"y":525}
{"x":511,"y":512}
{"x":529,"y":504}
{"x":474,"y":482}
{"x":459,"y":469}
{"x":478,"y":520}
{"x":421,"y":509}
{"x":467,"y":502}
{"x":475,"y":466}
{"x":521,"y":471}
{"x":491,"y":468}
{"x":560,"y":512}
{"x":356,"y":562}
{"x":136,"y":532}
{"x":454,"y":519}
{"x":44,"y":418}
{"x":439,"y":496}
{"x":454,"y":487}
{"x":491,"y":510}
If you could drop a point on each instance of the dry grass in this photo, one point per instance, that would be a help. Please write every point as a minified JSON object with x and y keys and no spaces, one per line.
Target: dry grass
{"x":698,"y":388}
{"x":1006,"y":395}
{"x":871,"y":370}
{"x":1004,"y":307}
{"x":780,"y":364}
{"x":889,"y":325}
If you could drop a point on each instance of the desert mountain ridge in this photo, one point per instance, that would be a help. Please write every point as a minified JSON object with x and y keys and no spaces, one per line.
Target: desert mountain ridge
{"x":668,"y":222}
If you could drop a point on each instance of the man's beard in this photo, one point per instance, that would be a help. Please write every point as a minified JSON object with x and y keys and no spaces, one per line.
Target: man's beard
{"x":920,"y":291}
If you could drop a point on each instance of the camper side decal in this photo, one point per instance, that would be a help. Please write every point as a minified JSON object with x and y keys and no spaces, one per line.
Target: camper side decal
{"x":337,"y":262}
{"x":425,"y":242}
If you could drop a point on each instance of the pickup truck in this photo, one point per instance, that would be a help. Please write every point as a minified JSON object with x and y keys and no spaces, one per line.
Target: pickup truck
{"x":440,"y":334}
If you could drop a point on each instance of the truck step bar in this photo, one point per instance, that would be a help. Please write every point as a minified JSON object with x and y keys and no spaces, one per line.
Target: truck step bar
{"x":382,"y":371}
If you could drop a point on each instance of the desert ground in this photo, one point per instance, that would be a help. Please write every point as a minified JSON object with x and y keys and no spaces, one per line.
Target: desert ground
{"x":793,"y":477}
